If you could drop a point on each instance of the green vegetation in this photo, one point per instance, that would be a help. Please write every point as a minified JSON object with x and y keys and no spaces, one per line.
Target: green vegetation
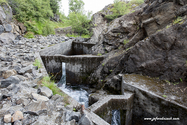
{"x":2,"y":1}
{"x":99,"y":54}
{"x":181,"y":79}
{"x":51,"y":85}
{"x":120,"y":8}
{"x":178,"y":21}
{"x":37,"y":63}
{"x":164,"y":96}
{"x":74,"y":35}
{"x":103,"y":64}
{"x":29,"y":35}
{"x":75,"y":6}
{"x":36,"y":15}
{"x":125,"y":42}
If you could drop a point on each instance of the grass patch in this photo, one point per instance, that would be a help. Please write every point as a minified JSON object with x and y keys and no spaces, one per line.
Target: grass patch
{"x":178,"y":20}
{"x":51,"y":85}
{"x":37,"y":63}
{"x":99,"y":54}
{"x":29,"y":35}
{"x":164,"y":96}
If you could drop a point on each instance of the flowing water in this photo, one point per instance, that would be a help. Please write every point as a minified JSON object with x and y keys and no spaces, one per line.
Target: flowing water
{"x":75,"y":92}
{"x":81,"y":95}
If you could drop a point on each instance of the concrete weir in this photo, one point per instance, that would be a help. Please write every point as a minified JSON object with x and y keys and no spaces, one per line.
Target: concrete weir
{"x":153,"y":103}
{"x":77,"y":56}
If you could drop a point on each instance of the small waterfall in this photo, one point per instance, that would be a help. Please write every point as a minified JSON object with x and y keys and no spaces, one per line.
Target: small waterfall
{"x":78,"y":94}
{"x":116,"y":117}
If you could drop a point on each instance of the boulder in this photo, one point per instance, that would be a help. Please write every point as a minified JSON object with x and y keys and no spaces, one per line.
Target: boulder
{"x":35,"y":108}
{"x":85,"y":120}
{"x":10,"y":80}
{"x":7,"y":118}
{"x":18,"y":115}
{"x":6,"y":38}
{"x":38,"y":97}
{"x":70,"y":115}
{"x":8,"y":27}
{"x":5,"y":13}
{"x":9,"y":73}
{"x":45,"y":91}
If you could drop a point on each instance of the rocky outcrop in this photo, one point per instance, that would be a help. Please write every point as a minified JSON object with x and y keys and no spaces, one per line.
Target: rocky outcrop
{"x":9,"y":30}
{"x":149,"y":41}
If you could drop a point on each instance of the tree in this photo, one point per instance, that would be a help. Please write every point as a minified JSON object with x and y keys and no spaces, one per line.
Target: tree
{"x":75,"y":6}
{"x":54,"y":5}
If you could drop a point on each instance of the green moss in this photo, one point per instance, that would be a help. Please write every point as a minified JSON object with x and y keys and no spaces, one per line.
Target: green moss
{"x":178,"y":21}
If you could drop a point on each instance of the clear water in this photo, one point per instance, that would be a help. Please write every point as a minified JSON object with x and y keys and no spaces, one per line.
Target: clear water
{"x":81,"y":95}
{"x":116,"y":117}
{"x":75,"y":92}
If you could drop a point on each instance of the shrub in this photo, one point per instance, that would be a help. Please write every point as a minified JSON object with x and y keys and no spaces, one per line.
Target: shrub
{"x":29,"y":35}
{"x":80,"y":22}
{"x":121,"y":8}
{"x":48,"y":29}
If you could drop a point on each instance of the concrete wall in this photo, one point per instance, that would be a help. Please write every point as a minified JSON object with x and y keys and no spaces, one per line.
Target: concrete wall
{"x":149,"y":104}
{"x":124,"y":103}
{"x":78,"y":67}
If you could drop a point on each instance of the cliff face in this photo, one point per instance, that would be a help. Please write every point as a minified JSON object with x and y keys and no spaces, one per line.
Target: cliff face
{"x":150,"y":41}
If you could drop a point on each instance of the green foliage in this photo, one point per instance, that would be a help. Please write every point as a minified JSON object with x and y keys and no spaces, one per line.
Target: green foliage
{"x":178,"y":21}
{"x":121,"y":8}
{"x":26,"y":10}
{"x":29,"y":35}
{"x":3,"y":1}
{"x":99,"y":54}
{"x":54,"y":6}
{"x":103,"y":64}
{"x":181,"y":79}
{"x":37,"y":63}
{"x":125,"y":42}
{"x":75,"y":36}
{"x":80,"y":22}
{"x":51,"y":85}
{"x":48,"y":29}
{"x":75,"y":6}
{"x":164,"y":96}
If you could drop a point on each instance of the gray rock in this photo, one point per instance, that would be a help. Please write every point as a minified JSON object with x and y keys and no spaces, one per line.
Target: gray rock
{"x":36,"y":108}
{"x":1,"y":29}
{"x":11,"y":80}
{"x":85,"y":120}
{"x":8,"y":27}
{"x":27,"y":69}
{"x":45,"y":91}
{"x":70,"y":115}
{"x":38,"y":97}
{"x":18,"y":122}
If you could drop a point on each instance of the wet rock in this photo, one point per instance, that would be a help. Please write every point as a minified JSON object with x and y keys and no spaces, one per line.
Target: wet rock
{"x":9,"y":73}
{"x":45,"y":91}
{"x":10,"y":80}
{"x":38,"y":97}
{"x":18,"y":115}
{"x":7,"y":118}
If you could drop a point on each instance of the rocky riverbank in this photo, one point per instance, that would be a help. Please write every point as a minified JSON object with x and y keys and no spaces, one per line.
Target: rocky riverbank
{"x":20,"y":101}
